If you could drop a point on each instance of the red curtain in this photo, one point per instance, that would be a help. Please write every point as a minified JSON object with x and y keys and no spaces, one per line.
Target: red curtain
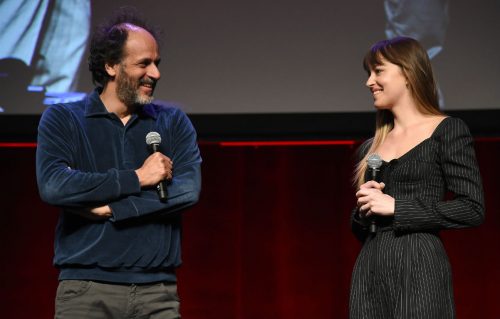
{"x":270,"y":237}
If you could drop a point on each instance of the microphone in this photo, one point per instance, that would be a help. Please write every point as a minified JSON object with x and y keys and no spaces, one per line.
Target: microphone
{"x":153,"y":139}
{"x":374,"y":162}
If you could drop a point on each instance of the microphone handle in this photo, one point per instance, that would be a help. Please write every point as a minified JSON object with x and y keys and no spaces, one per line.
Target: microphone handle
{"x":155,"y":147}
{"x":162,"y":191}
{"x":373,"y":225}
{"x":162,"y":185}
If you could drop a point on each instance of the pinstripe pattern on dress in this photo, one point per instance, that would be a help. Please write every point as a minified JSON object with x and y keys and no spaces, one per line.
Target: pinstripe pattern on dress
{"x":403,"y":270}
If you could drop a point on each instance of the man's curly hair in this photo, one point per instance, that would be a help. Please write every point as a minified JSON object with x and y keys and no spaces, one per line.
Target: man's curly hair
{"x":108,"y":41}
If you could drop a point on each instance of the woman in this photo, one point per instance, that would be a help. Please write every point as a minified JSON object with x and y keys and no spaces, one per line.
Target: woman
{"x":402,"y":270}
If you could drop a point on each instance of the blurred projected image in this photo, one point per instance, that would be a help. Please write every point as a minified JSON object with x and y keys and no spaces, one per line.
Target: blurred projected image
{"x":42,"y":47}
{"x":423,"y":20}
{"x":253,"y":56}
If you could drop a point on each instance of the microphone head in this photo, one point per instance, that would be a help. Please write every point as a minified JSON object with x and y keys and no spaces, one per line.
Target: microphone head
{"x":153,"y":138}
{"x":374,"y":161}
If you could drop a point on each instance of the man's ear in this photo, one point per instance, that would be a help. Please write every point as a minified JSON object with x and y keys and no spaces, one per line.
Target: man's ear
{"x":111,"y":69}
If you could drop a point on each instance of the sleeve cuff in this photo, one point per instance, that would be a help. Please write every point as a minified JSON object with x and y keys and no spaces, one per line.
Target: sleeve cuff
{"x":409,"y":215}
{"x":128,"y":182}
{"x":123,"y":209}
{"x":356,"y":218}
{"x":399,"y":222}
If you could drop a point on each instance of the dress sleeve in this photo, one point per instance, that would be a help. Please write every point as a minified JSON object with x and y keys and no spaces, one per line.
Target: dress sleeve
{"x":185,"y":186}
{"x":62,"y":184}
{"x":462,"y":178}
{"x":359,"y":226}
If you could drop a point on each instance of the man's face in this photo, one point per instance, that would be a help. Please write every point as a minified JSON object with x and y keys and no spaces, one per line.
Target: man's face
{"x":138,"y":72}
{"x":129,"y":91}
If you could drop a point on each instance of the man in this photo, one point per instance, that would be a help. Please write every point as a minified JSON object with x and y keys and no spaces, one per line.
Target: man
{"x":117,"y":244}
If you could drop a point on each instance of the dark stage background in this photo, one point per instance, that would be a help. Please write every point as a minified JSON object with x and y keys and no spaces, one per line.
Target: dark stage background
{"x":270,"y":237}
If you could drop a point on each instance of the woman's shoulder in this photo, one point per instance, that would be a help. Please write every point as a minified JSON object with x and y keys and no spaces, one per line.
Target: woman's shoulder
{"x":451,"y":125}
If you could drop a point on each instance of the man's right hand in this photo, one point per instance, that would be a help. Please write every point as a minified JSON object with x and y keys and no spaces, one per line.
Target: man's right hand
{"x":156,"y":168}
{"x":94,"y":213}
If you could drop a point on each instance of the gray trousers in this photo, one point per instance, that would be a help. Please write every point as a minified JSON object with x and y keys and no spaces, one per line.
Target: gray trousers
{"x":77,"y":299}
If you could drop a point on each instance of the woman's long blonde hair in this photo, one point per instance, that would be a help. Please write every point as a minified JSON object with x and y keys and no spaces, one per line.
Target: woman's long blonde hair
{"x":411,"y":57}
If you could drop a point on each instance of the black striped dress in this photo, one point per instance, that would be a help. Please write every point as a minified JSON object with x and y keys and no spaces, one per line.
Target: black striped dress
{"x":403,"y":271}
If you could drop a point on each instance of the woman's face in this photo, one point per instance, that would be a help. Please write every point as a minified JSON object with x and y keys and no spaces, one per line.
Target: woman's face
{"x":387,"y":84}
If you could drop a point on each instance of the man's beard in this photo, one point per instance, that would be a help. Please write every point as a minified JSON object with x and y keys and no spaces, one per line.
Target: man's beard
{"x":128,"y":90}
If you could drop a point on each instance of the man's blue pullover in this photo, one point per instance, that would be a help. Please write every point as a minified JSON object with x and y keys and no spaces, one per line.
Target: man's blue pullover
{"x":86,"y":158}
